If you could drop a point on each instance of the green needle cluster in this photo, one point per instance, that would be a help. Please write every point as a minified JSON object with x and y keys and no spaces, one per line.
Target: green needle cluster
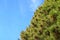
{"x":45,"y":24}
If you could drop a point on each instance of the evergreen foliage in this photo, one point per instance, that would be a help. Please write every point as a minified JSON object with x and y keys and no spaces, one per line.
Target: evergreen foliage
{"x":45,"y":24}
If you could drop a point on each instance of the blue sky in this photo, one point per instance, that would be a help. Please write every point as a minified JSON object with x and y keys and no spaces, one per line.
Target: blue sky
{"x":15,"y":16}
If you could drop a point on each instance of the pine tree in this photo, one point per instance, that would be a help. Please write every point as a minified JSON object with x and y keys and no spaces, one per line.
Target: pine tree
{"x":45,"y":24}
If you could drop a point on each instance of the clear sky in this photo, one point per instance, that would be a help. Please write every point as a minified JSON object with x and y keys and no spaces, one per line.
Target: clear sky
{"x":15,"y":16}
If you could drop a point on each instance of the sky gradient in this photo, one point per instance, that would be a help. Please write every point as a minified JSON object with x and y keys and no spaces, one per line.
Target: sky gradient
{"x":15,"y":16}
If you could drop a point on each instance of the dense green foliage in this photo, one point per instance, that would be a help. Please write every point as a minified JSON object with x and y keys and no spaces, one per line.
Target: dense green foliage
{"x":45,"y":24}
